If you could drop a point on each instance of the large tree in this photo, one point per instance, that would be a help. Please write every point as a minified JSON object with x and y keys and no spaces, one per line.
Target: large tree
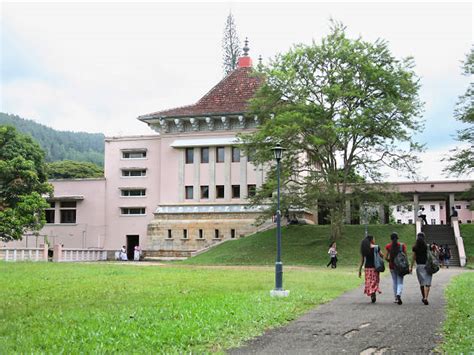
{"x":22,"y":184}
{"x":343,"y":109}
{"x":462,"y":159}
{"x":68,"y":169}
{"x":230,"y":46}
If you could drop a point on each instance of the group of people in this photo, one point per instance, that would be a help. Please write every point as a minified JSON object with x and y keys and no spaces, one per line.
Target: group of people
{"x":122,"y":254}
{"x":370,"y":252}
{"x":443,"y":253}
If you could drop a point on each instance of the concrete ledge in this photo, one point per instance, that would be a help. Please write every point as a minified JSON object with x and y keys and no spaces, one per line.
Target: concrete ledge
{"x":279,"y":293}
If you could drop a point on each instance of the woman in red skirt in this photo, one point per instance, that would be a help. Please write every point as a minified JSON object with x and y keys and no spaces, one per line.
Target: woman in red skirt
{"x":372,"y":277}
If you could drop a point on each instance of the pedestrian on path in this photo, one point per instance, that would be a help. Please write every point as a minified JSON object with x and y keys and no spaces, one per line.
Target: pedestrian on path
{"x":392,"y":250}
{"x":420,"y":255}
{"x":447,"y":255}
{"x":372,"y":277}
{"x":333,"y":254}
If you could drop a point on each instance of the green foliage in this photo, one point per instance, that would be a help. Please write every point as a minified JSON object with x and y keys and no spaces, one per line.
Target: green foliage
{"x":68,"y":169}
{"x":89,"y":309}
{"x":22,"y":182}
{"x":301,"y":245}
{"x":467,"y":234}
{"x":343,"y":109}
{"x":459,"y":325}
{"x":59,"y":145}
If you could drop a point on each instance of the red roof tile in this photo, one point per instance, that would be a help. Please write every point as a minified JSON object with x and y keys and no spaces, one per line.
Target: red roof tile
{"x":230,"y":95}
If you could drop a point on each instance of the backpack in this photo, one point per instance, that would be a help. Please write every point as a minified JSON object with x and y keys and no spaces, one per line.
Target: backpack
{"x":378,"y":261}
{"x":400,"y":263}
{"x":432,"y":262}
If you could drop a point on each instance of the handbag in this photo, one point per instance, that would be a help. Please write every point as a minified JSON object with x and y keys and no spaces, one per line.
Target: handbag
{"x":378,"y":261}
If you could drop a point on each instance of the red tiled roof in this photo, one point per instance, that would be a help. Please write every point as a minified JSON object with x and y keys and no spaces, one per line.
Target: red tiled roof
{"x":230,"y":95}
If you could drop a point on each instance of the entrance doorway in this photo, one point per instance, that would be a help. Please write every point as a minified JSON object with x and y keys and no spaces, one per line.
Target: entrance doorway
{"x":132,"y":242}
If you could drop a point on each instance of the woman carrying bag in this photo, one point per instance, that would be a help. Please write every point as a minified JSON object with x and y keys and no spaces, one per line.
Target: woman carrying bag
{"x":372,"y":260}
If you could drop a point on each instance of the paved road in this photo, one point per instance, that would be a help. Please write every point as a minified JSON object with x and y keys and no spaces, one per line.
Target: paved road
{"x":352,"y":325}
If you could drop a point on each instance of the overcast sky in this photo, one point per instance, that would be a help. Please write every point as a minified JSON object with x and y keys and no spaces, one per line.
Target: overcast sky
{"x":96,"y":67}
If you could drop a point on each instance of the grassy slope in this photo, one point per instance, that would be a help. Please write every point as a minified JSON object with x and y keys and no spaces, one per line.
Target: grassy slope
{"x":110,"y":308}
{"x":467,"y":232}
{"x":301,"y":245}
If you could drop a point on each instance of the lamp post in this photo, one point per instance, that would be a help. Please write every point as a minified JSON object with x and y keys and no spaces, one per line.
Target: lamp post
{"x":278,"y":291}
{"x":366,"y":218}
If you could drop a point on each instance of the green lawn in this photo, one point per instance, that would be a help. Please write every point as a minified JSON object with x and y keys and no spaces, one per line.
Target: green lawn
{"x":459,"y":325}
{"x":91,"y":308}
{"x":467,"y":232}
{"x":301,"y":245}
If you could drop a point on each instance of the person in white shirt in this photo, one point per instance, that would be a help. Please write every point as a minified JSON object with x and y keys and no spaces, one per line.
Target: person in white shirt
{"x":422,"y":215}
{"x":333,"y":254}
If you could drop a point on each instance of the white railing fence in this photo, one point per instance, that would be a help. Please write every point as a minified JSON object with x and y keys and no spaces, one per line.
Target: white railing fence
{"x":24,"y":254}
{"x":61,"y":254}
{"x":459,"y":241}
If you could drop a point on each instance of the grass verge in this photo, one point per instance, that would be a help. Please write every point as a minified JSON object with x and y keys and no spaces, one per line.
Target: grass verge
{"x":459,"y":325}
{"x":467,"y":233}
{"x":97,"y":308}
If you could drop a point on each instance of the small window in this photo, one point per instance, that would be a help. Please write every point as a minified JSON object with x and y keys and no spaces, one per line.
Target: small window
{"x":399,"y":221}
{"x":220,"y":191}
{"x":68,"y":216}
{"x":189,"y":192}
{"x":220,"y":154}
{"x":204,"y":155}
{"x":468,"y":207}
{"x":204,"y":192}
{"x":440,"y":207}
{"x":133,"y":172}
{"x":410,"y":208}
{"x":201,"y":234}
{"x":399,"y":208}
{"x":216,"y":233}
{"x":49,"y":215}
{"x":433,"y":221}
{"x":185,"y":234}
{"x":468,"y":221}
{"x":410,"y":221}
{"x":189,"y":155}
{"x":133,"y":210}
{"x":235,"y":154}
{"x":232,"y":233}
{"x":170,"y":235}
{"x":235,"y":191}
{"x":252,"y":190}
{"x":135,"y":154}
{"x":458,"y":207}
{"x":432,"y":208}
{"x":133,"y":192}
{"x":68,"y":204}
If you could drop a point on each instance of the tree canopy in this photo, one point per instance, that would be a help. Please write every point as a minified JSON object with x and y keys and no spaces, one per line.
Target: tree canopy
{"x":22,"y":184}
{"x":230,"y":46}
{"x":343,"y":109}
{"x":68,"y":169}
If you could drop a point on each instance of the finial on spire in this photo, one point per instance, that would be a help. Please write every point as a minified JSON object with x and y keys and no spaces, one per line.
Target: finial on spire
{"x":246,"y":47}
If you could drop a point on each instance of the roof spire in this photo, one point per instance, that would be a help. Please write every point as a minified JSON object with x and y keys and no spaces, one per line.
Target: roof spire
{"x":246,"y":47}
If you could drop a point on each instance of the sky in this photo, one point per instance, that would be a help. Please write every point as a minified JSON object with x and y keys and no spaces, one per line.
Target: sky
{"x":96,"y":67}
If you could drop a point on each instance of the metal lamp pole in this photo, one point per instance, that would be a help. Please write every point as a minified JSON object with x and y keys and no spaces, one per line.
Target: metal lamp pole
{"x":366,"y":219}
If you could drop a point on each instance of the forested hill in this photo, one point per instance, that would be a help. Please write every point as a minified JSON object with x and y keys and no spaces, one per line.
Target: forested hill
{"x":60,"y":145}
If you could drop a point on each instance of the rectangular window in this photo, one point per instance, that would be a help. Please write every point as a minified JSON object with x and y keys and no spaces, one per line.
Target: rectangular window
{"x":252,"y":190}
{"x":219,"y":191}
{"x":189,"y":192}
{"x":235,"y":155}
{"x":469,"y":221}
{"x":432,"y":208}
{"x":410,"y":221}
{"x":410,"y":208}
{"x":134,"y":154}
{"x":67,"y":211}
{"x":216,"y":233}
{"x":399,"y":221}
{"x":133,"y":210}
{"x":189,"y":155}
{"x":235,"y":191}
{"x":440,"y":207}
{"x":185,"y":234}
{"x":399,"y":208}
{"x":133,"y":172}
{"x":50,"y":212}
{"x":201,"y":234}
{"x":68,"y":204}
{"x":468,"y":207}
{"x":204,"y":155}
{"x":232,"y":233}
{"x":170,"y":235}
{"x":458,"y":207}
{"x":220,"y":154}
{"x":132,"y":192}
{"x":204,"y":192}
{"x":433,"y":221}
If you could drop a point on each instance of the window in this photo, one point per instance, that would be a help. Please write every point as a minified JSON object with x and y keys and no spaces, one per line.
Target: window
{"x":133,"y":210}
{"x":132,"y":192}
{"x":50,"y":212}
{"x":68,"y":211}
{"x":440,"y":207}
{"x":252,"y":190}
{"x":220,"y":154}
{"x":235,"y":191}
{"x":433,"y":221}
{"x":232,"y":233}
{"x":170,"y":235}
{"x":410,"y":208}
{"x":432,"y":208}
{"x":220,"y":191}
{"x":216,"y":233}
{"x":189,"y":192}
{"x":399,"y":208}
{"x":410,"y":221}
{"x":468,"y":207}
{"x":235,"y":155}
{"x":133,"y":172}
{"x":204,"y":192}
{"x":201,"y":234}
{"x":189,"y":155}
{"x":204,"y":155}
{"x":399,"y":221}
{"x":185,"y":234}
{"x":458,"y":207}
{"x":134,"y":154}
{"x":468,"y":221}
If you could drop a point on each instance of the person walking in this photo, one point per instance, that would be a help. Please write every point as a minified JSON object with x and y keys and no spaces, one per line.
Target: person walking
{"x":420,"y":256}
{"x":392,"y":250}
{"x":422,"y":215}
{"x":333,"y":255}
{"x":368,"y":248}
{"x":447,"y":255}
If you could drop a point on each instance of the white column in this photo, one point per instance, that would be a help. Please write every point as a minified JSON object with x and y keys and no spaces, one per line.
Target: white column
{"x":243,"y":177}
{"x":416,"y":206}
{"x":227,"y":172}
{"x":197,"y":172}
{"x":212,"y":173}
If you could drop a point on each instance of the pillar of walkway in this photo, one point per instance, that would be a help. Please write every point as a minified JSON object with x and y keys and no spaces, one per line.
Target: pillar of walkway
{"x":416,"y":207}
{"x":382,"y":214}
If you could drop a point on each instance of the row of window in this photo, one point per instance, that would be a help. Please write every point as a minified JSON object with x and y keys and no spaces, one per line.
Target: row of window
{"x":67,"y":212}
{"x":433,"y":221}
{"x":432,"y":207}
{"x":200,"y":235}
{"x":220,"y":191}
{"x":220,"y":155}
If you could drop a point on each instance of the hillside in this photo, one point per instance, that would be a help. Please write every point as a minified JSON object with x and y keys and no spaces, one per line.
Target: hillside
{"x":60,"y":145}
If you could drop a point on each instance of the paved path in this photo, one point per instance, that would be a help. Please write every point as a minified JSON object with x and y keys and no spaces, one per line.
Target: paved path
{"x":351,"y":324}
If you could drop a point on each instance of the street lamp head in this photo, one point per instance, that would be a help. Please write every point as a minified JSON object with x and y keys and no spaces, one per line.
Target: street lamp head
{"x":278,"y":152}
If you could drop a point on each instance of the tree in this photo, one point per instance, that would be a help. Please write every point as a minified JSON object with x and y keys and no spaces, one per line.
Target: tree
{"x":22,"y":184}
{"x":462,"y":160}
{"x":68,"y":169}
{"x":343,"y":109}
{"x":230,"y":46}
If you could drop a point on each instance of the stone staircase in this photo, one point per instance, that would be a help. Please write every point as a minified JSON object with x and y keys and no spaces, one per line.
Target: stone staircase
{"x":441,"y":235}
